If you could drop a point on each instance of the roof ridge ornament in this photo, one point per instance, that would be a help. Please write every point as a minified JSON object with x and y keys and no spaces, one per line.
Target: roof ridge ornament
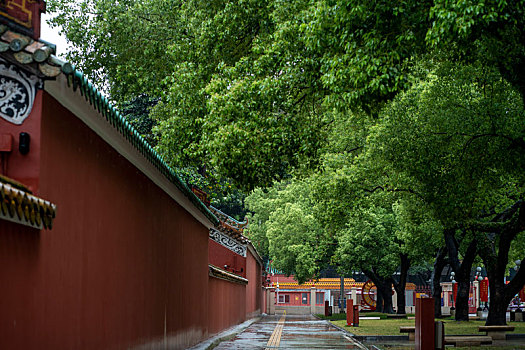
{"x":17,"y":92}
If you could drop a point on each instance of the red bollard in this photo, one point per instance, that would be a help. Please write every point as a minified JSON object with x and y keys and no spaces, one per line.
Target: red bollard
{"x":425,"y":324}
{"x":356,"y":315}
{"x":349,"y":312}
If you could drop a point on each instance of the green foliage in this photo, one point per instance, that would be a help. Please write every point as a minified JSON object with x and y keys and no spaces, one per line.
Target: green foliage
{"x":120,"y":45}
{"x":368,"y":244}
{"x":370,"y":124}
{"x":137,"y":114}
{"x":222,"y":194}
{"x":252,"y":88}
{"x":366,"y":47}
{"x":489,"y":31}
{"x":453,"y":135}
{"x":282,"y":225}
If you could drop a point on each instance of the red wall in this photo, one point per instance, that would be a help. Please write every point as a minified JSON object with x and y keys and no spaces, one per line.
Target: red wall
{"x":122,"y":263}
{"x":227,"y":304}
{"x":231,"y":303}
{"x":282,"y":279}
{"x":254,"y":288}
{"x":221,"y":256}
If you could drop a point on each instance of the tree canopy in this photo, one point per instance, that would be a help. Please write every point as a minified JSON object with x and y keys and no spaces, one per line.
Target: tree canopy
{"x":347,"y":122}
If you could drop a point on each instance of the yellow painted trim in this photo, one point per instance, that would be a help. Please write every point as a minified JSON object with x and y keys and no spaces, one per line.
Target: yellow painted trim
{"x":275,"y":338}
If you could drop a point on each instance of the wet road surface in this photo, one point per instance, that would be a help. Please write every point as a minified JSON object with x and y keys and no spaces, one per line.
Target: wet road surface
{"x":290,"y":332}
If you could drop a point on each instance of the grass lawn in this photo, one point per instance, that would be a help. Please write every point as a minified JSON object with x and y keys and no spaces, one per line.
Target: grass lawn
{"x":391,"y":326}
{"x":337,"y":317}
{"x":484,"y":347}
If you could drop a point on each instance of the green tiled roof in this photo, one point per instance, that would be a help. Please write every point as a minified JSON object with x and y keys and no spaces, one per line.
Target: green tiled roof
{"x":77,"y":81}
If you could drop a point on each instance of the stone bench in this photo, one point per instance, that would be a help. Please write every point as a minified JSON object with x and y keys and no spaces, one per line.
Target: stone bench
{"x":468,"y":340}
{"x":410,"y":330}
{"x":496,"y":332}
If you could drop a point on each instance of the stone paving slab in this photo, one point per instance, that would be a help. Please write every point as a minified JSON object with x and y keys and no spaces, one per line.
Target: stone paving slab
{"x":297,"y":332}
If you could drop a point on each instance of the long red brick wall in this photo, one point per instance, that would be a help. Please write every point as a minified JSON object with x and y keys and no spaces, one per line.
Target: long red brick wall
{"x":123,"y":265}
{"x":224,"y":258}
{"x":254,"y":292}
{"x":226,"y":305}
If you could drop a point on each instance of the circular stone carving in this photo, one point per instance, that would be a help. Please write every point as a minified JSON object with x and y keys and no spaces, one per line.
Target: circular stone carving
{"x":368,"y":295}
{"x":17,"y":93}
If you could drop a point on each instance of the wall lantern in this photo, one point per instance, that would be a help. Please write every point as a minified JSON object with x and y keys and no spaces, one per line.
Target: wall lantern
{"x":23,"y":143}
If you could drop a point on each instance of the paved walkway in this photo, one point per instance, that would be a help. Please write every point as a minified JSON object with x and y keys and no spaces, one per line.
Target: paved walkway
{"x":290,"y":332}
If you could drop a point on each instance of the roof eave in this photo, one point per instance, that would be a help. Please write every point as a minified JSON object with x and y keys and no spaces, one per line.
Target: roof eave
{"x":77,"y":95}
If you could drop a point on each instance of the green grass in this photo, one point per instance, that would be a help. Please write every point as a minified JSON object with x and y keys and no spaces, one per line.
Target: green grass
{"x":391,"y":326}
{"x":333,"y":317}
{"x":337,"y":317}
{"x":484,"y":347}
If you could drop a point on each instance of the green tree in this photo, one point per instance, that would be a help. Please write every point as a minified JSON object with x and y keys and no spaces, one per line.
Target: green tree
{"x":491,"y":32}
{"x":249,"y":87}
{"x":454,"y":135}
{"x":262,"y":91}
{"x":283,"y":226}
{"x":137,"y":113}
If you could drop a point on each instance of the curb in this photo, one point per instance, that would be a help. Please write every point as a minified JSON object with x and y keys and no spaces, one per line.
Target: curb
{"x":371,"y":337}
{"x":341,"y":329}
{"x":212,"y":342}
{"x":382,"y":337}
{"x":351,"y":335}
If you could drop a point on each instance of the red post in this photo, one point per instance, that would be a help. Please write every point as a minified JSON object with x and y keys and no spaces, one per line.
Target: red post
{"x":356,"y":315}
{"x":349,"y":312}
{"x":326,"y":308}
{"x":425,"y":324}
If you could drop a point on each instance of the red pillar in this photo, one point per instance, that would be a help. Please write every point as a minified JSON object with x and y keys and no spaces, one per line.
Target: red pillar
{"x":425,"y":324}
{"x":349,"y":312}
{"x":356,"y":315}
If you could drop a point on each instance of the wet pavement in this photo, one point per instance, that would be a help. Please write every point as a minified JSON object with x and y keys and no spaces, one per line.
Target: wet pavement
{"x":290,"y":332}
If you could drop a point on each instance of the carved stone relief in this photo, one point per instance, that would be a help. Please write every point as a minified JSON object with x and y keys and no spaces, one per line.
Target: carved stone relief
{"x":17,"y":92}
{"x":228,"y":242}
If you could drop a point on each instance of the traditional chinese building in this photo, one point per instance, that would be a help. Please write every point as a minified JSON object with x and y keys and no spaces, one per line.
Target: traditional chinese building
{"x":311,"y":296}
{"x":101,"y":244}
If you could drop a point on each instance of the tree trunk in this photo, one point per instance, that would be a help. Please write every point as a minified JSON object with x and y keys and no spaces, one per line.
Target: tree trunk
{"x":400,"y":286}
{"x":385,"y":289}
{"x":462,"y":300}
{"x":379,"y":302}
{"x":501,"y":294}
{"x":439,"y":265}
{"x":384,"y":292}
{"x":462,"y":271}
{"x":496,"y":260}
{"x":498,"y":303}
{"x":496,"y":274}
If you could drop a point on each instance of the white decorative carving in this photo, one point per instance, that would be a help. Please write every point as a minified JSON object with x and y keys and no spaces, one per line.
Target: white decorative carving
{"x":17,"y":92}
{"x":228,"y":242}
